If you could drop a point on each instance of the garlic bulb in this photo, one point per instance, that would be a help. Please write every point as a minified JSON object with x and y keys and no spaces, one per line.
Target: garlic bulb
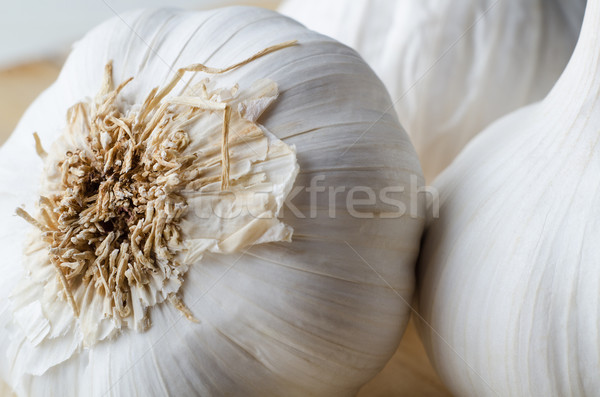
{"x":452,"y":67}
{"x":177,"y":234}
{"x":509,"y":273}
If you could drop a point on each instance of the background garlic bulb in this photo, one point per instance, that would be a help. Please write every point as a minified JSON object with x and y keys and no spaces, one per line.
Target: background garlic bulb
{"x":509,"y":273}
{"x":452,"y":67}
{"x":318,"y":316}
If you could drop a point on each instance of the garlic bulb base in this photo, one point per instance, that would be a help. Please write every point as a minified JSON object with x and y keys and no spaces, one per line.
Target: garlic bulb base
{"x":116,"y":188}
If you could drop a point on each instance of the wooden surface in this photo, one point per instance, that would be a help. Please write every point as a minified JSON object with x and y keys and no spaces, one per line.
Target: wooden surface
{"x":18,"y":88}
{"x":407,"y":374}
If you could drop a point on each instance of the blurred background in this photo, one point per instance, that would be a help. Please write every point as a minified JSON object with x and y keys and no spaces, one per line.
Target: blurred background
{"x":35,"y":38}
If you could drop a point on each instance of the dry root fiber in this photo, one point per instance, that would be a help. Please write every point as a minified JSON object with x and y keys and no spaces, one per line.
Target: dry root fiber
{"x":115,"y":219}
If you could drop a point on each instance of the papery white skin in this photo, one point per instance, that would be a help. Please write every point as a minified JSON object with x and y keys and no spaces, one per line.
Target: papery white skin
{"x":308,"y":317}
{"x":452,"y":67}
{"x":509,"y":274}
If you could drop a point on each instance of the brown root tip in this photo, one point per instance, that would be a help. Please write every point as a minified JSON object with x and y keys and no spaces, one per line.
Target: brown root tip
{"x":225,"y":149}
{"x":25,"y":215}
{"x":179,"y":305}
{"x":38,"y":146}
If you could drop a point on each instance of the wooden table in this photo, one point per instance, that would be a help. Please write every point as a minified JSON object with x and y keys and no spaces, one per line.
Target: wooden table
{"x":407,"y":374}
{"x":19,"y":86}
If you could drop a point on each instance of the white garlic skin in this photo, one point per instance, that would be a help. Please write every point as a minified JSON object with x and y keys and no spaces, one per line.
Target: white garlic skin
{"x":452,"y":66}
{"x":295,"y":319}
{"x":509,"y":273}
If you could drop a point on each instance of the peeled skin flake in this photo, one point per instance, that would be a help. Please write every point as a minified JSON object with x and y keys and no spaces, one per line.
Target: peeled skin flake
{"x":174,"y":232}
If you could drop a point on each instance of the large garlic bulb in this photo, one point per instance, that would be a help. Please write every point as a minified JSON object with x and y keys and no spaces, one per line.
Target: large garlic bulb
{"x":510,"y":272}
{"x":148,"y":257}
{"x":452,"y":67}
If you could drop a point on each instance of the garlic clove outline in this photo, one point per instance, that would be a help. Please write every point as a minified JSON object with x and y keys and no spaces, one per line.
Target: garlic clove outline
{"x":518,"y":231}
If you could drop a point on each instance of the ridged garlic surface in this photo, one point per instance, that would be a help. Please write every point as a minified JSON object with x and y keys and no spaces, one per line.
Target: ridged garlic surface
{"x":509,"y":273}
{"x":452,"y":67}
{"x":170,"y":299}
